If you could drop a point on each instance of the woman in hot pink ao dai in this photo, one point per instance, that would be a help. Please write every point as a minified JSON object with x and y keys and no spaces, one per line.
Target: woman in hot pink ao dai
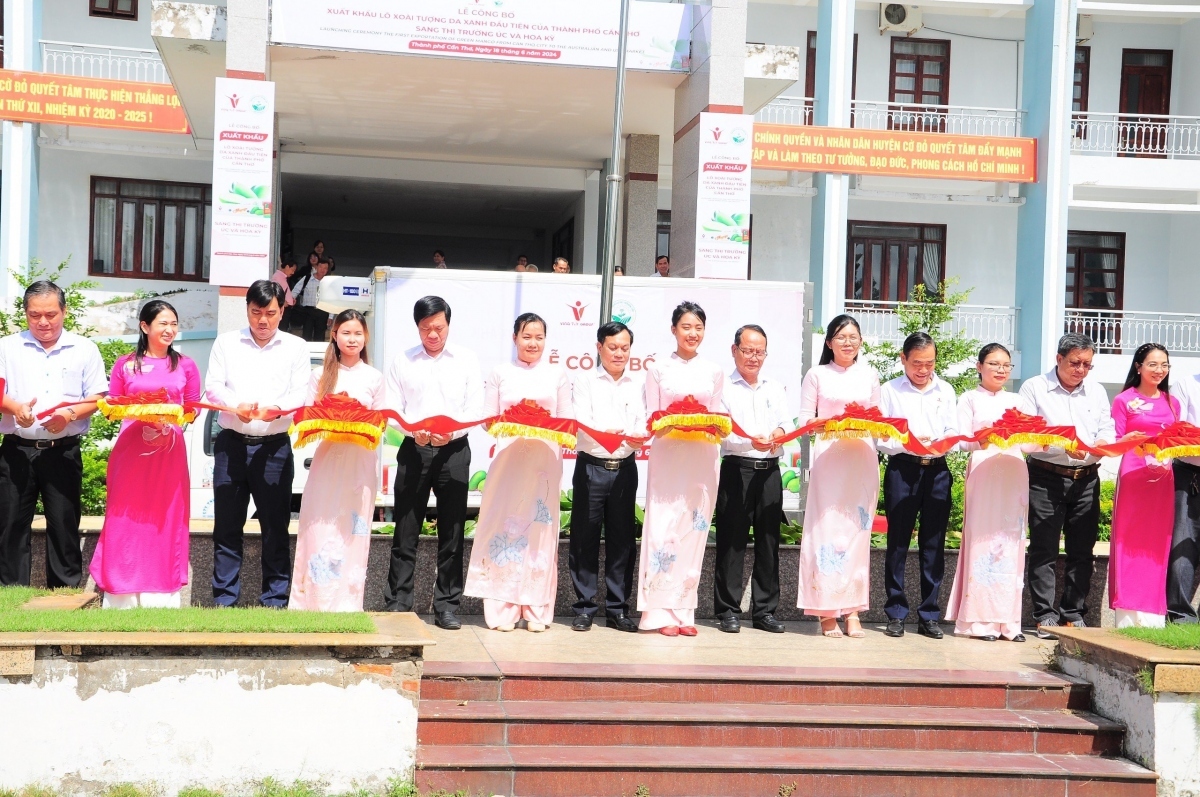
{"x":142,"y":556}
{"x":1144,"y":510}
{"x":514,"y":557}
{"x":835,"y":549}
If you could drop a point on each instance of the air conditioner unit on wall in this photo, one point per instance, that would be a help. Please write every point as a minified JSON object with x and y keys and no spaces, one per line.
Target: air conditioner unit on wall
{"x":899,"y":18}
{"x":1084,"y":30}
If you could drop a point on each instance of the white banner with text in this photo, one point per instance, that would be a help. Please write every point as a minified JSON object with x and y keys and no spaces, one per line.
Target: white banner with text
{"x":723,"y":196}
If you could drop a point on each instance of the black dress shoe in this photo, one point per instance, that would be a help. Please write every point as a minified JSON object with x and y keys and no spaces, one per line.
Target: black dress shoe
{"x":582,"y":622}
{"x":768,"y":623}
{"x":730,"y":624}
{"x":622,"y":622}
{"x":987,"y":638}
{"x":930,"y":629}
{"x":1019,"y":638}
{"x":894,"y":628}
{"x":446,"y":620}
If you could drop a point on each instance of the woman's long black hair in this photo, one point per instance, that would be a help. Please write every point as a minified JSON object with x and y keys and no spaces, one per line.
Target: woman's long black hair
{"x":1134,"y":378}
{"x":149,"y":312}
{"x":835,"y":326}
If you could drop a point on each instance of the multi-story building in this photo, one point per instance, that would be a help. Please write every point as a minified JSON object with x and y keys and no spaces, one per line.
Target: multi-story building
{"x":386,"y":155}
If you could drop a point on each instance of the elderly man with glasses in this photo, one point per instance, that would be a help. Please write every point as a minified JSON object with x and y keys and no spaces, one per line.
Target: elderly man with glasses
{"x":750,"y":492}
{"x":1064,"y":486}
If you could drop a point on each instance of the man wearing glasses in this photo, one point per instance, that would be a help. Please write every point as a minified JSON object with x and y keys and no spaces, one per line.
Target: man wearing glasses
{"x":750,"y":492}
{"x":1064,"y":486}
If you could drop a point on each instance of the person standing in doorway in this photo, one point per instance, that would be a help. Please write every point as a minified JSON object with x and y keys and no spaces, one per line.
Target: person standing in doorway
{"x":433,"y":378}
{"x":42,"y":367}
{"x":1064,"y":486}
{"x":750,"y":492}
{"x":561,"y":266}
{"x":662,"y":266}
{"x":283,"y":276}
{"x":1185,"y":537}
{"x":315,"y":320}
{"x":439,"y":259}
{"x":917,"y":485}
{"x":608,"y":399}
{"x":259,"y":371}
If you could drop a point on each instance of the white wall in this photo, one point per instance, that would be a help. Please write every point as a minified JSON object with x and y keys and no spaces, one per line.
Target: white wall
{"x":780,"y":237}
{"x":1186,"y":80}
{"x":1183,"y":267}
{"x":64,"y":215}
{"x":1147,"y":252}
{"x":68,"y":21}
{"x":1104,"y":84}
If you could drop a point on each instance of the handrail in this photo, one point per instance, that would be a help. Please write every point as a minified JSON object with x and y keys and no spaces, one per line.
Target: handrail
{"x":80,"y":59}
{"x":1130,"y":134}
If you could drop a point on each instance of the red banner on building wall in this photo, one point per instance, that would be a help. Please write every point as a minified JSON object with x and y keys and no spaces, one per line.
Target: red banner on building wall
{"x":895,"y":153}
{"x":91,"y":102}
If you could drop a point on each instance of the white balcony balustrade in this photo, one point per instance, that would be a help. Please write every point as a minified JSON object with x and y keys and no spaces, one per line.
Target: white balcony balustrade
{"x":1122,"y":331}
{"x":965,"y":120}
{"x":1141,"y":135}
{"x":786,"y":111}
{"x":985,"y":323}
{"x":111,"y":63}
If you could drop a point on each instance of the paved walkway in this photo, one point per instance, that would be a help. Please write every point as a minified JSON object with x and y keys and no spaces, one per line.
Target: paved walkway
{"x":801,"y":646}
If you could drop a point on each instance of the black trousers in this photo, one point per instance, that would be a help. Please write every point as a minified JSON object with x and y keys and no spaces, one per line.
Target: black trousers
{"x":315,"y":322}
{"x":1185,"y":545}
{"x":1060,"y":505}
{"x":911,"y":489}
{"x":748,"y":496}
{"x":446,"y":472}
{"x":261,"y":468}
{"x":604,"y":498}
{"x":56,"y":474}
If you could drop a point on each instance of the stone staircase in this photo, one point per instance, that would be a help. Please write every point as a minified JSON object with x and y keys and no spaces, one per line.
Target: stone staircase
{"x":594,"y":730}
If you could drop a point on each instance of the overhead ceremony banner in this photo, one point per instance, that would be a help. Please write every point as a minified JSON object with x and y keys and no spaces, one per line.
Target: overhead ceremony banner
{"x":532,"y":31}
{"x":243,"y":170}
{"x":90,"y":102}
{"x":895,"y":153}
{"x":723,"y":196}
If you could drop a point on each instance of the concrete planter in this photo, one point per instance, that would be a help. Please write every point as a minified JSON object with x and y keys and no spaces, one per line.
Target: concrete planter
{"x":789,"y":569}
{"x":1154,"y":691}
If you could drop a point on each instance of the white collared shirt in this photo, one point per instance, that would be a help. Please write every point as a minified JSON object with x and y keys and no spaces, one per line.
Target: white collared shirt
{"x":242,"y":372}
{"x":1187,"y":391}
{"x":1086,"y":408}
{"x":759,"y":409}
{"x":312,"y":287}
{"x":70,"y":370}
{"x":420,"y":386}
{"x":931,"y":413}
{"x":608,"y":404}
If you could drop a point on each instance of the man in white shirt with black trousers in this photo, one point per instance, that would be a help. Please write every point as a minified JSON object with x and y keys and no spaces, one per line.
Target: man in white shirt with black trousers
{"x":1185,"y":539}
{"x":750,"y":491}
{"x":259,"y":371}
{"x":915,"y":485}
{"x":608,"y":399}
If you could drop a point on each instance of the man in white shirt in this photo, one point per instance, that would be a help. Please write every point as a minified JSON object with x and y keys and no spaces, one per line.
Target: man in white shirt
{"x":433,"y":378}
{"x":308,"y":289}
{"x":259,"y":371}
{"x":1064,"y":486}
{"x":1185,"y":540}
{"x":914,"y":485}
{"x":43,"y":367}
{"x":608,"y":399}
{"x":750,"y":492}
{"x":662,"y":266}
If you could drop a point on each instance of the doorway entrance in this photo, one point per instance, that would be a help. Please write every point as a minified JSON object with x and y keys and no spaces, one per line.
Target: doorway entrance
{"x":1145,"y":102}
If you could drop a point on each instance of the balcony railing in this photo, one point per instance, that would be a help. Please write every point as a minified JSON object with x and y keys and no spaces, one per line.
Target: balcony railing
{"x":985,"y":323}
{"x":869,"y":115}
{"x":1122,"y":331}
{"x":1141,"y":135}
{"x":113,"y":63}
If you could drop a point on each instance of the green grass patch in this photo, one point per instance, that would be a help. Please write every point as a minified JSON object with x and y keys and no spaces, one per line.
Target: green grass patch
{"x":255,"y":620}
{"x":1174,"y":636}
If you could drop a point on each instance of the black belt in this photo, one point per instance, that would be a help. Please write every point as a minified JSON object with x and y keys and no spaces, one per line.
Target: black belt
{"x":1075,"y":474}
{"x":913,"y":459}
{"x":42,"y":445}
{"x":754,"y":463}
{"x":607,"y":464}
{"x":256,"y":440}
{"x":1186,"y":466}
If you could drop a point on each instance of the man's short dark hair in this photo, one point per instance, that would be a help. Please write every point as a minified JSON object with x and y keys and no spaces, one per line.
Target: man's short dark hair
{"x":44,"y":288}
{"x":606,"y":331}
{"x":662,"y":257}
{"x":1072,"y":341}
{"x":261,"y":292}
{"x":428,"y":306}
{"x":439,"y":252}
{"x":737,"y":336}
{"x":918,"y":340}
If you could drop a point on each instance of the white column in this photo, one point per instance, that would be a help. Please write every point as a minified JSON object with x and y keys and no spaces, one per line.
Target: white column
{"x":639,"y":216}
{"x":588,"y":227}
{"x":19,"y":164}
{"x":831,"y":107}
{"x":1042,"y":219}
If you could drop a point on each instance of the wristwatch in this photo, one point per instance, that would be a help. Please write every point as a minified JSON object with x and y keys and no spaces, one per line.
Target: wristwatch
{"x":74,"y":415}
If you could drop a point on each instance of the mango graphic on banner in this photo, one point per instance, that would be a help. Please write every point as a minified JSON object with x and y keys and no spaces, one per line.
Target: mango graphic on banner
{"x":895,"y":153}
{"x":90,"y":102}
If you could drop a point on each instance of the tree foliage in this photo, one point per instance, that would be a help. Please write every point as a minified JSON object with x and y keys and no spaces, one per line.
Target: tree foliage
{"x":930,"y":313}
{"x":13,"y":320}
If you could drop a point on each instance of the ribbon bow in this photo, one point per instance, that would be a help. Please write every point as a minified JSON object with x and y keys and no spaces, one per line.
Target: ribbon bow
{"x":1180,"y":439}
{"x":150,"y":406}
{"x":688,"y":419}
{"x":341,"y":419}
{"x":528,"y":419}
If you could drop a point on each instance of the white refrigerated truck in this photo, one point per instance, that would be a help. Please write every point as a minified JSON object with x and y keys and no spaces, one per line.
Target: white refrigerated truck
{"x":483,"y":306}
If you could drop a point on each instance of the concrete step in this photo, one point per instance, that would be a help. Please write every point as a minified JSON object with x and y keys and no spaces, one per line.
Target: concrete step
{"x":1024,"y":690}
{"x":765,"y":725}
{"x":542,"y":771}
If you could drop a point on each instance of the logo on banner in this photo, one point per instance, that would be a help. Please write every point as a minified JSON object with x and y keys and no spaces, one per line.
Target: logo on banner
{"x":716,"y":133}
{"x":233,"y":100}
{"x":258,"y":104}
{"x":578,"y":309}
{"x":623,"y":312}
{"x":739,"y":136}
